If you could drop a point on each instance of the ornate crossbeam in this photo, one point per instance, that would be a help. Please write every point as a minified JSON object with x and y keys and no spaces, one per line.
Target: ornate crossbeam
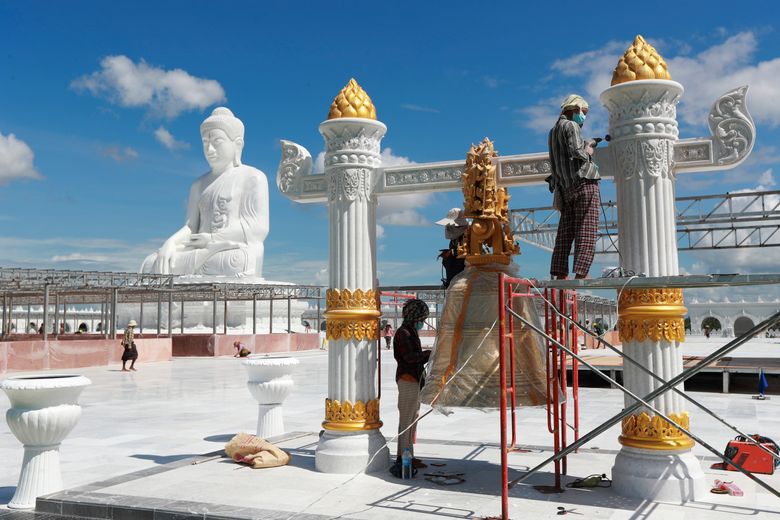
{"x":732,"y":136}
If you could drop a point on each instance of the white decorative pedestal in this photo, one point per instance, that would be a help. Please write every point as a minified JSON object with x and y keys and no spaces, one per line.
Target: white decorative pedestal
{"x":655,"y":461}
{"x":270,"y":382}
{"x":44,"y":409}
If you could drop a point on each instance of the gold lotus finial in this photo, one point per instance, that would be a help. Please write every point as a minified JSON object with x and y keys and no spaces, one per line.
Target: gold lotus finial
{"x":641,"y":61}
{"x":489,"y":238}
{"x":352,"y":101}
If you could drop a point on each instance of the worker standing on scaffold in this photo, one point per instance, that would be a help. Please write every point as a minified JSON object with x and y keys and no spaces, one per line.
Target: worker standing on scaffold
{"x":575,"y":184}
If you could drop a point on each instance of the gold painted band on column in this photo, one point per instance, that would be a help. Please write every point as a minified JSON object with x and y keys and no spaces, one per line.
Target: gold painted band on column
{"x":345,"y":416}
{"x":352,"y":314}
{"x":652,"y":314}
{"x":655,"y":433}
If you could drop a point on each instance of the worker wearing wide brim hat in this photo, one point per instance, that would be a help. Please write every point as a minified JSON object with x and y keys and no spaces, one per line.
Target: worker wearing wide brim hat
{"x":130,"y":352}
{"x":455,"y":225}
{"x":574,"y":181}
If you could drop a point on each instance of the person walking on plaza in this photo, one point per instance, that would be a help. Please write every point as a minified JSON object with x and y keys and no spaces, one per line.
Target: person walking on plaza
{"x":387,"y":332}
{"x":130,"y":353}
{"x":575,"y":184}
{"x":411,"y":359}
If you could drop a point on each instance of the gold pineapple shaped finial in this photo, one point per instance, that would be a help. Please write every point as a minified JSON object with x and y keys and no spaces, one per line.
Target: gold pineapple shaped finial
{"x":352,"y":101}
{"x":640,"y":61}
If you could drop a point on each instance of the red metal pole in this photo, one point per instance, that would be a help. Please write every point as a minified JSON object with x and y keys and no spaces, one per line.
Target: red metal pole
{"x":556,"y":398}
{"x":548,"y":329}
{"x":565,"y":338}
{"x":575,"y":367}
{"x":512,"y":387}
{"x":502,"y":398}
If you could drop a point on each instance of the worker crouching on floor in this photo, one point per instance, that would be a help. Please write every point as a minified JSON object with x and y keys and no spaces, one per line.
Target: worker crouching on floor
{"x":411,"y":359}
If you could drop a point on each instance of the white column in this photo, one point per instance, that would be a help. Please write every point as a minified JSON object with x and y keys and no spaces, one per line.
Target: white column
{"x":655,"y":461}
{"x":352,"y":438}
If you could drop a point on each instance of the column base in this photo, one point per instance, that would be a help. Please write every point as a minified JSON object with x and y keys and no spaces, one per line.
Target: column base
{"x":350,"y":452}
{"x":664,"y":476}
{"x":40,"y":475}
{"x":270,"y":420}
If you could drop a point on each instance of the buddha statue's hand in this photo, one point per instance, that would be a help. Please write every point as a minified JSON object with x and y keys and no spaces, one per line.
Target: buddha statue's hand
{"x":200,"y":240}
{"x":166,"y":258}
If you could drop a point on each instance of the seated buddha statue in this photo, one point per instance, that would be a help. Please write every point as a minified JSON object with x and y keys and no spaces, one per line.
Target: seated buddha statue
{"x":227,"y":211}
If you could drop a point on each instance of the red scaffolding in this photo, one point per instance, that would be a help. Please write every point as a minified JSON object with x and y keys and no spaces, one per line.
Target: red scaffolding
{"x":565,"y":301}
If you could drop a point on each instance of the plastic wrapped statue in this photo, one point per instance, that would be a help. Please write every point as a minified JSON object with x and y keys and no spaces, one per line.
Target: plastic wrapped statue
{"x":464,"y":366}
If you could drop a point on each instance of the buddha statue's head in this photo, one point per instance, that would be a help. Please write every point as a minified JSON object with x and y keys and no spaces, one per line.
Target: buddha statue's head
{"x":223,"y":139}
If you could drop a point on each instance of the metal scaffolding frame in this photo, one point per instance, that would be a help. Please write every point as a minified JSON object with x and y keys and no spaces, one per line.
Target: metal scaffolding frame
{"x":567,"y":344}
{"x":725,"y":221}
{"x":109,"y":289}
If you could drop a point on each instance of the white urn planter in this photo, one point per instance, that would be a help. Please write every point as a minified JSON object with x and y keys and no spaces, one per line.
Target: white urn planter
{"x":44,"y":410}
{"x":270,"y":382}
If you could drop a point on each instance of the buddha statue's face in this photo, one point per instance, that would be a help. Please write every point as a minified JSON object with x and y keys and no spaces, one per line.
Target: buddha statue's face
{"x":220,"y":150}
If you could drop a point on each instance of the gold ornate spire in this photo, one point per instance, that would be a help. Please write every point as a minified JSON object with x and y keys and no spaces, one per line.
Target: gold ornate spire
{"x":488,"y":239}
{"x":352,"y":101}
{"x":641,"y":61}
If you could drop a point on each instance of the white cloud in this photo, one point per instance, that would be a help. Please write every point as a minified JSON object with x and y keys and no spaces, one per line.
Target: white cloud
{"x":119,"y":153}
{"x":766,"y":178}
{"x":418,"y":108}
{"x":493,"y":81}
{"x":401,"y":210}
{"x":165,"y":138}
{"x":16,"y":159}
{"x":74,"y":252}
{"x":79,"y":257}
{"x":540,"y":118}
{"x":165,"y":92}
{"x":705,"y":76}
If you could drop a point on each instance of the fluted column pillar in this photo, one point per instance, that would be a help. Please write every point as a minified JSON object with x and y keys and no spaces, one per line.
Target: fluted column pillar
{"x":352,"y":438}
{"x":655,"y":461}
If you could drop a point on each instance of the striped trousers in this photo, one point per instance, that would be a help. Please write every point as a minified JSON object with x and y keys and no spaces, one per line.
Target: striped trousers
{"x":579,"y":224}
{"x":408,"y":411}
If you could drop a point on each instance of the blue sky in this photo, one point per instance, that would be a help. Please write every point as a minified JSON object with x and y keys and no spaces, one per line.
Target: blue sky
{"x":104,"y":101}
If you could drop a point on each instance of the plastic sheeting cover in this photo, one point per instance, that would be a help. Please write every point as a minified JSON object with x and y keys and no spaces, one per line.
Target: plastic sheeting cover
{"x":468,"y":334}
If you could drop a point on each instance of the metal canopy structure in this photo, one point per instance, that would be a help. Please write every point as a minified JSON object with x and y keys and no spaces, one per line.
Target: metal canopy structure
{"x":27,"y":286}
{"x":108,"y":289}
{"x":726,"y":221}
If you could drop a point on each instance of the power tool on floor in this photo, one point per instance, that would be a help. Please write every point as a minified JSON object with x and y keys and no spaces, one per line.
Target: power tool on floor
{"x":749,"y":456}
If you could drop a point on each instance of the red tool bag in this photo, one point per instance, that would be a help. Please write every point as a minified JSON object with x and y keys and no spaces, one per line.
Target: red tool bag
{"x":749,"y":456}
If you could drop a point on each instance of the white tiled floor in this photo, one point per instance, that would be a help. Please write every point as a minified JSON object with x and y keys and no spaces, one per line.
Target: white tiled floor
{"x":168,"y":411}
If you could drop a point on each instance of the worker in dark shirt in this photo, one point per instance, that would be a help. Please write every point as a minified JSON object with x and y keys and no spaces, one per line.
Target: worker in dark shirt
{"x":411,"y":359}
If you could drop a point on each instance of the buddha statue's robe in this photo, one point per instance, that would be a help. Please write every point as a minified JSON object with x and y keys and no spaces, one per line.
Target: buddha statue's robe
{"x":233,"y":208}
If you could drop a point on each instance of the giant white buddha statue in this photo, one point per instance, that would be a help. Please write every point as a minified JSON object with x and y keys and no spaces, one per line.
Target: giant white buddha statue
{"x":227,"y":211}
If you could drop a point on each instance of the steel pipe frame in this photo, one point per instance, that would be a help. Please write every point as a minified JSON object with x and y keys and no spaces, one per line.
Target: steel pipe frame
{"x":683,"y":376}
{"x":663,"y":382}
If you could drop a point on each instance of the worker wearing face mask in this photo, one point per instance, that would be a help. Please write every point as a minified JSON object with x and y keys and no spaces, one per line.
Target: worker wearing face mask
{"x":411,"y":359}
{"x":575,"y":183}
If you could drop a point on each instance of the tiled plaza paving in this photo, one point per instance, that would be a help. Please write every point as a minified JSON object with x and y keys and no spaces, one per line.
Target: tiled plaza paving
{"x":131,"y":455}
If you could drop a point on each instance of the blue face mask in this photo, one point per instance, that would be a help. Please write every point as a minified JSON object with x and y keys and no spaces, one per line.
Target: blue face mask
{"x":418,"y":325}
{"x":578,"y":117}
